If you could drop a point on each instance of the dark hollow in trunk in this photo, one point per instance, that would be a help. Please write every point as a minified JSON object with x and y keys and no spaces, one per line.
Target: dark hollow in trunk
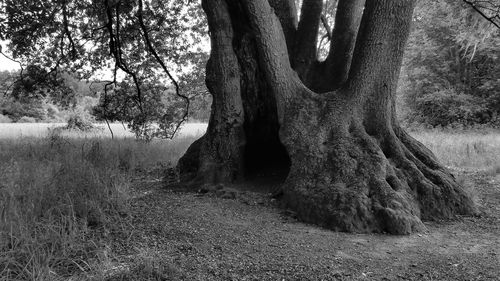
{"x":327,"y":130}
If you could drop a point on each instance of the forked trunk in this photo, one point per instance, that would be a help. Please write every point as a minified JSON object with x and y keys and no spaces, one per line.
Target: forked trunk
{"x":242,"y":138}
{"x":347,"y":165}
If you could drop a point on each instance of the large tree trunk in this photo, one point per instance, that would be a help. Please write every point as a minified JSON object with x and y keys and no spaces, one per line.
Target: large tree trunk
{"x":346,"y":163}
{"x":242,"y":139}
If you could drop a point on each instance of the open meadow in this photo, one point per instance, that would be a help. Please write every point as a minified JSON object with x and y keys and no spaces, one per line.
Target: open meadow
{"x":83,"y":206}
{"x":464,"y":150}
{"x":101,"y":130}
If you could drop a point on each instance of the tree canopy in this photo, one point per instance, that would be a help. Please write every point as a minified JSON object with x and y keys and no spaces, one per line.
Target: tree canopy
{"x":148,"y":42}
{"x":142,"y":44}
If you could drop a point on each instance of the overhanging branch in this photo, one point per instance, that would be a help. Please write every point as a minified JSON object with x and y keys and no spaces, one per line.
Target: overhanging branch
{"x":153,"y":51}
{"x":116,"y":51}
{"x":67,"y":32}
{"x":343,"y":40}
{"x":493,"y":8}
{"x":20,"y":73}
{"x":307,"y":36}
{"x":327,"y":27}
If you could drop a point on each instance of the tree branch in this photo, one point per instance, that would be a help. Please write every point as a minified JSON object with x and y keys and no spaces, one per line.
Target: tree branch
{"x":338,"y":62}
{"x":307,"y":36}
{"x":115,"y":48}
{"x":378,"y":54}
{"x":327,"y":27}
{"x":273,"y":51}
{"x":67,"y":31}
{"x":286,"y":11}
{"x":152,"y":50}
{"x":493,"y":19}
{"x":20,"y":73}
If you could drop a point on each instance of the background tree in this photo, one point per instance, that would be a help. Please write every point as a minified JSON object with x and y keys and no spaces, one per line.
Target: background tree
{"x":451,"y":65}
{"x":328,"y":127}
{"x":26,"y":94}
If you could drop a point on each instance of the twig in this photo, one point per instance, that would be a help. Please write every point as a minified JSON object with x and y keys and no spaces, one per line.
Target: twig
{"x":327,"y":27}
{"x":490,"y":19}
{"x":162,"y":64}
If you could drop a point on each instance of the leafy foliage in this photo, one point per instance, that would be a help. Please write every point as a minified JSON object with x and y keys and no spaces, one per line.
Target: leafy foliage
{"x":147,"y":43}
{"x":37,"y":94}
{"x":488,"y":9}
{"x":144,"y":44}
{"x":35,"y":84}
{"x":80,"y":121}
{"x":158,"y":105}
{"x":451,"y":65}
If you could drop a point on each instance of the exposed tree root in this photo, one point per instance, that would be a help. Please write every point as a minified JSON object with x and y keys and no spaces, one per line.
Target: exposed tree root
{"x":359,"y":184}
{"x":351,"y":168}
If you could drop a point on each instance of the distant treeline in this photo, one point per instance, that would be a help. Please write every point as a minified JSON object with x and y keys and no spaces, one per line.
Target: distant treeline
{"x":36,"y":95}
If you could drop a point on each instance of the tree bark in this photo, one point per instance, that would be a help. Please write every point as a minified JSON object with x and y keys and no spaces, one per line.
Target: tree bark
{"x":304,"y":53}
{"x":286,"y":11}
{"x":242,"y":139}
{"x":218,"y":156}
{"x":346,"y":163}
{"x":338,"y":62}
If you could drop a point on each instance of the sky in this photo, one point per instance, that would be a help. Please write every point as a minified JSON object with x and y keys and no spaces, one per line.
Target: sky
{"x":5,"y":63}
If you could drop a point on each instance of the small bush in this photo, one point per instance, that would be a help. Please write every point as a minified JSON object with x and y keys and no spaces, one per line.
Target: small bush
{"x":26,"y":119}
{"x":5,"y":119}
{"x":54,"y":114}
{"x":80,"y":121}
{"x":15,"y":110}
{"x":446,"y":108}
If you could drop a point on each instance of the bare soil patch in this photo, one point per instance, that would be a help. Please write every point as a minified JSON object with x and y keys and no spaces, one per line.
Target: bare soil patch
{"x":209,"y":236}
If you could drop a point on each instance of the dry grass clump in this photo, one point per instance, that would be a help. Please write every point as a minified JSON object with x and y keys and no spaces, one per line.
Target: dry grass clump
{"x":60,"y":197}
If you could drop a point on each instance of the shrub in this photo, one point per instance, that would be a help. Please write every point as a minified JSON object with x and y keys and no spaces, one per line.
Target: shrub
{"x":26,"y":119}
{"x":54,"y":114}
{"x":444,"y":108}
{"x":5,"y":119}
{"x":15,"y":110}
{"x":80,"y":120}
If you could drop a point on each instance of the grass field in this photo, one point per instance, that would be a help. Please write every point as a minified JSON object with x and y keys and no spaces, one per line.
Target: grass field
{"x":478,"y":150}
{"x":40,"y":130}
{"x":473,"y":150}
{"x":62,"y":196}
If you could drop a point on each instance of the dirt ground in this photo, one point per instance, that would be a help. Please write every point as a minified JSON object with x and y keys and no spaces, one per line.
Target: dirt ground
{"x":245,"y":236}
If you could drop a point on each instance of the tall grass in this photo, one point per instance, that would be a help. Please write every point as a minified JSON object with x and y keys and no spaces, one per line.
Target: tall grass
{"x":58,"y":196}
{"x":467,"y":150}
{"x":40,"y":130}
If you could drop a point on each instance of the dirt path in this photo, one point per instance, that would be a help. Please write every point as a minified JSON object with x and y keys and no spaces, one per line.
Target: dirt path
{"x":192,"y":237}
